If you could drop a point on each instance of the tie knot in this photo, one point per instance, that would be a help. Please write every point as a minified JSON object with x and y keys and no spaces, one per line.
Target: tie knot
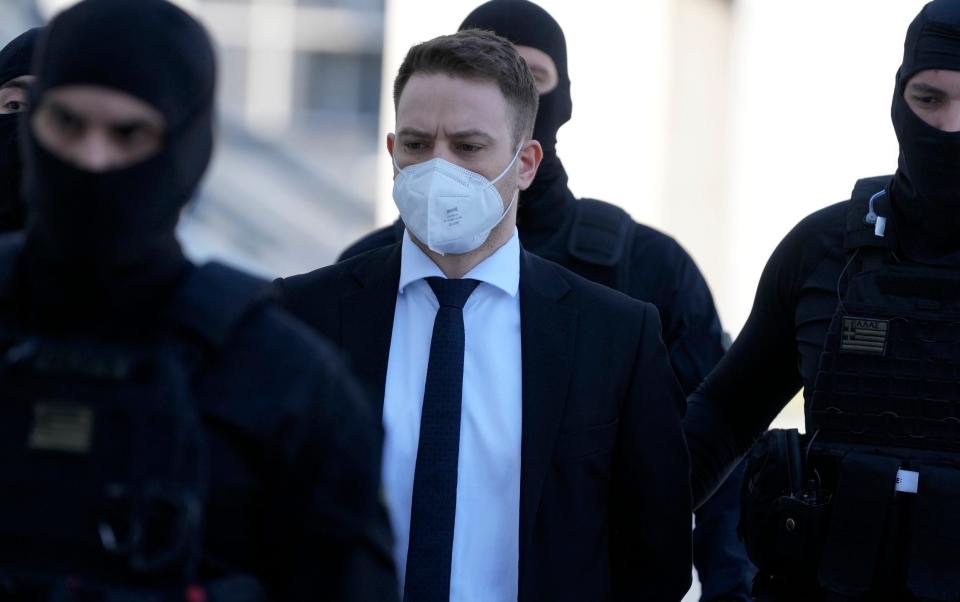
{"x":452,"y":293}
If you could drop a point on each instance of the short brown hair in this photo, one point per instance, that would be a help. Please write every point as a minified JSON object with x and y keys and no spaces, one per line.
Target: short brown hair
{"x":479,"y":55}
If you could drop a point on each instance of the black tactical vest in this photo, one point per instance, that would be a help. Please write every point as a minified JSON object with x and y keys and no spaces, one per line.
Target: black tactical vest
{"x":103,"y":462}
{"x":890,"y":369}
{"x":885,"y":419}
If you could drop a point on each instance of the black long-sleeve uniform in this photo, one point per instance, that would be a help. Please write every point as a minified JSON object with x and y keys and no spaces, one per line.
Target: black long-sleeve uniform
{"x":776,"y":353}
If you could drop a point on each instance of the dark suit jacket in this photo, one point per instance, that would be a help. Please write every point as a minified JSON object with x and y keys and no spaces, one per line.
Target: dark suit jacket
{"x":604,"y":488}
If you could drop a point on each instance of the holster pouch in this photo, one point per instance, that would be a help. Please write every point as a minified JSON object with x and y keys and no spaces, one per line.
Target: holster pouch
{"x":933,"y":556}
{"x":781,"y":524}
{"x":861,"y":510}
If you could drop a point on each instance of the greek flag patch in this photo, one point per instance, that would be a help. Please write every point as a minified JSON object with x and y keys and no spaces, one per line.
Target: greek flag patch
{"x":864,"y":335}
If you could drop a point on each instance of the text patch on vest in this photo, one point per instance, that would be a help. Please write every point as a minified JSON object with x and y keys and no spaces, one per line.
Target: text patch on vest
{"x":864,"y":335}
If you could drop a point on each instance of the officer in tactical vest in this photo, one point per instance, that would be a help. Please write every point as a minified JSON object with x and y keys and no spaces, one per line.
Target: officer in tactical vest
{"x":167,"y":432}
{"x":601,"y":242}
{"x":860,"y":306}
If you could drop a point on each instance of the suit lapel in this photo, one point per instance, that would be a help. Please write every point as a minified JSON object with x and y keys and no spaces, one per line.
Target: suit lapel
{"x":548,"y":331}
{"x":367,"y":321}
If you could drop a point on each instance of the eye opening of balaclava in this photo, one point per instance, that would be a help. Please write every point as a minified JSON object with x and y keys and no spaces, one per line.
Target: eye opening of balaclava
{"x":107,"y":239}
{"x":15,"y":60}
{"x":43,"y":118}
{"x":926,"y":186}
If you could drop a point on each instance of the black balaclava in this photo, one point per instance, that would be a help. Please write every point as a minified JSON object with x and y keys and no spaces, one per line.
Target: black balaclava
{"x":926,"y":186}
{"x":104,"y":243}
{"x":15,"y":61}
{"x":526,"y":24}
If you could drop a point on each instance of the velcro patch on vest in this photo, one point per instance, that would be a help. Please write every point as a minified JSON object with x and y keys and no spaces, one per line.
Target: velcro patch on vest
{"x":61,"y":426}
{"x":864,"y":335}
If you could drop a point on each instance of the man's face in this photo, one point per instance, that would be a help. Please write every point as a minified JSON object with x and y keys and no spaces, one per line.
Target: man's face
{"x":543,"y":68}
{"x":934,"y":96}
{"x":97,"y":129}
{"x":13,"y":94}
{"x":466,"y":122}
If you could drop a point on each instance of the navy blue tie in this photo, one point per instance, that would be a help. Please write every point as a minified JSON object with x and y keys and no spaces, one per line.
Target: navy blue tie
{"x":435,"y":480}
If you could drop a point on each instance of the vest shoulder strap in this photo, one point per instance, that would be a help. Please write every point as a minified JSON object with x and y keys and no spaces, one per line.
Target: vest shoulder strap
{"x":600,"y":233}
{"x":215,"y":299}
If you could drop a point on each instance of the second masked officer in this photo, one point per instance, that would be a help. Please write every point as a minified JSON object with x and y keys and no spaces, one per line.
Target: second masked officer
{"x":532,"y":448}
{"x":601,"y":242}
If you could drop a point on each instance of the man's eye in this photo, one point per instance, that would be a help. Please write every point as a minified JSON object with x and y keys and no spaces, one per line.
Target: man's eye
{"x":414,"y":146}
{"x":132,"y":135}
{"x":927,"y":101}
{"x":15,"y":106}
{"x":66,"y":123}
{"x":469,"y":148}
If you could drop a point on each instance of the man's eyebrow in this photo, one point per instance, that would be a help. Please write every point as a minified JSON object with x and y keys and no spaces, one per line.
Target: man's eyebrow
{"x":472,"y":134}
{"x":61,"y":108}
{"x":413,"y":132}
{"x":927,"y":88}
{"x":132,"y":124}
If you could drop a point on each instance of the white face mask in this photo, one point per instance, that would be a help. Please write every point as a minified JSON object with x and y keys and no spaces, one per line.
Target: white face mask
{"x":449,"y":208}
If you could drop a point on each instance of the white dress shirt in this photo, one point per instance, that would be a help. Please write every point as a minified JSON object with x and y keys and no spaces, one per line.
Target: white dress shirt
{"x":486,"y":533}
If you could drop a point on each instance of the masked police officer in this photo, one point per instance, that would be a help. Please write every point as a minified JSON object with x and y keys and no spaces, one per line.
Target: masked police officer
{"x":167,"y":432}
{"x":859,"y":306}
{"x":601,"y":242}
{"x":15,"y":80}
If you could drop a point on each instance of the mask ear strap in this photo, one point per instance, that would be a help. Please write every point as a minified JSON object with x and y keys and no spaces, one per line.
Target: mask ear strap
{"x":516,"y":195}
{"x":509,"y":165}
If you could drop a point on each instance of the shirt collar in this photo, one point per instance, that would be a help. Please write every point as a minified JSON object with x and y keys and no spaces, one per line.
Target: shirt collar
{"x":501,"y":270}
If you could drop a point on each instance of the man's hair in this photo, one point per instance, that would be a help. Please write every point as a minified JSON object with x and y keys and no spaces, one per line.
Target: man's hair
{"x":478,"y":55}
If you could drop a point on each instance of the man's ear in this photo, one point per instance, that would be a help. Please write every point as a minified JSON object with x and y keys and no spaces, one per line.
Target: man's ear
{"x":530,"y":156}
{"x":391,"y":138}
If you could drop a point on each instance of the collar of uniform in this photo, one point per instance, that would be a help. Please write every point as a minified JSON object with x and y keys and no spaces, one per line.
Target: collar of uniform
{"x":501,"y":270}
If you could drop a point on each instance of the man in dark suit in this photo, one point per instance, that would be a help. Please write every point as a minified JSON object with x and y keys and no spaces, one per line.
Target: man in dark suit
{"x":601,"y":242}
{"x":533,"y":447}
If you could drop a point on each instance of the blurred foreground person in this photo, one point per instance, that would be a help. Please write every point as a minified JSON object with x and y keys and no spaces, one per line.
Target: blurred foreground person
{"x":166,"y":431}
{"x":15,"y":82}
{"x":533,"y":448}
{"x":860,"y":306}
